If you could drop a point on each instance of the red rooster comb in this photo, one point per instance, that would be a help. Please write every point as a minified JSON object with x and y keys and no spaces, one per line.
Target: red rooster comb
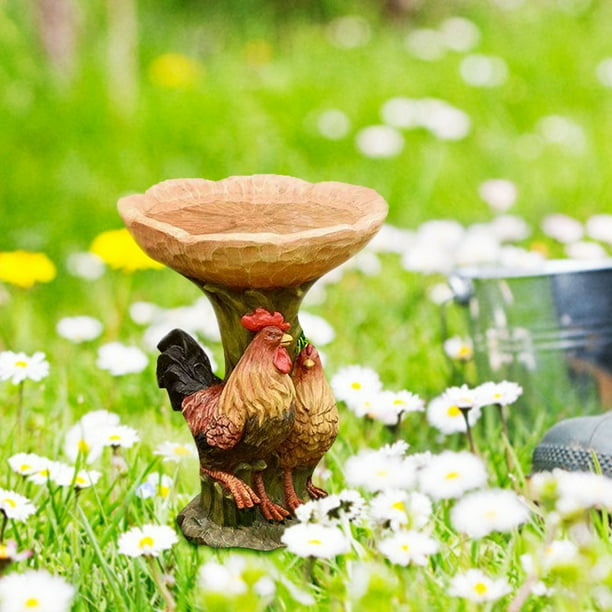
{"x":260,"y":318}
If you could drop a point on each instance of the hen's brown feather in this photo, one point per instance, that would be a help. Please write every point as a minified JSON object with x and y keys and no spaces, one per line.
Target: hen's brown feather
{"x":316,"y":416}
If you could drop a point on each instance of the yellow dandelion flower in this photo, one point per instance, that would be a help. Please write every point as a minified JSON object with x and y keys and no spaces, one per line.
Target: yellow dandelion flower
{"x":119,"y":250}
{"x":25,"y":268}
{"x":174,"y":71}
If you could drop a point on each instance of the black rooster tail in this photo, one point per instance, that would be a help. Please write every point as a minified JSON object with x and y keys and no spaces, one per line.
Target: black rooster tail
{"x":183,"y":367}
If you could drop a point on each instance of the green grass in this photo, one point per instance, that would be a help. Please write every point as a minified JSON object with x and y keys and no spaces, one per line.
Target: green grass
{"x":68,"y":151}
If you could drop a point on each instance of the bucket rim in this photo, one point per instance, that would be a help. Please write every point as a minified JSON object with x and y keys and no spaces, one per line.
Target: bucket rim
{"x":548,"y":267}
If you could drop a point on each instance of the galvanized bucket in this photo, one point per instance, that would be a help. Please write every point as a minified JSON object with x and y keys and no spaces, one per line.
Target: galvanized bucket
{"x":549,"y":329}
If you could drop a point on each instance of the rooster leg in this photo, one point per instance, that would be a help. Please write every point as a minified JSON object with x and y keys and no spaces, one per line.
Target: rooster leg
{"x":313,"y":491}
{"x":291,"y":499}
{"x":270,"y":510}
{"x":243,"y":495}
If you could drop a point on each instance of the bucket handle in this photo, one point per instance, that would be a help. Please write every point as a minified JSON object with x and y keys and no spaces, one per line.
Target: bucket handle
{"x":462,"y":288}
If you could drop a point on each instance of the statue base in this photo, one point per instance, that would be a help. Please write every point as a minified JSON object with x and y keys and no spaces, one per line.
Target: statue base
{"x":197,"y":527}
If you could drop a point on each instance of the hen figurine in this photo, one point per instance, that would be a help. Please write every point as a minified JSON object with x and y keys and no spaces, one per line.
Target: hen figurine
{"x":315,"y":426}
{"x":242,"y":419}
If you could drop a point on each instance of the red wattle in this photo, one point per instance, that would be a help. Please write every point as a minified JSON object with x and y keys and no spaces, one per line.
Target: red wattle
{"x":282,"y":361}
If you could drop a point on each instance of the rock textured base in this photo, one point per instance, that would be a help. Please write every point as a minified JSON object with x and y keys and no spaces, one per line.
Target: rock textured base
{"x":199,"y":529}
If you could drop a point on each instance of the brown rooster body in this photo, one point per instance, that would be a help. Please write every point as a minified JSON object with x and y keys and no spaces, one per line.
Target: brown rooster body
{"x":315,"y":426}
{"x":244,"y":419}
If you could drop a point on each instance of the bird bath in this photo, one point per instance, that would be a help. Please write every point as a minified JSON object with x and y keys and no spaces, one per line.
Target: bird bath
{"x":250,"y":242}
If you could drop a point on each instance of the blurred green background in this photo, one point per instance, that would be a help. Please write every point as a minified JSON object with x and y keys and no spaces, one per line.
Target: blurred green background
{"x":106,"y":97}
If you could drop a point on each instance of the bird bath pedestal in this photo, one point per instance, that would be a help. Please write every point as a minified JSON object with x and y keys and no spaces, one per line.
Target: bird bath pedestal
{"x":250,"y":242}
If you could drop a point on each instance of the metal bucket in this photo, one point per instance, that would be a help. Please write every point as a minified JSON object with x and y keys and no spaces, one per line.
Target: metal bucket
{"x":549,"y":329}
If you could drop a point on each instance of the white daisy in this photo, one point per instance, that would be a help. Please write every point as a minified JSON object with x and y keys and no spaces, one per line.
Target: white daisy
{"x":502,"y":393}
{"x":510,"y":228}
{"x":82,"y":479}
{"x":461,"y":349}
{"x":446,"y":416}
{"x":96,"y":420}
{"x":79,"y":329}
{"x":83,"y":442}
{"x":18,"y":367}
{"x":376,"y":471}
{"x":425,"y":44}
{"x":394,"y":508}
{"x":445,"y":121}
{"x":314,"y":540}
{"x":175,"y":451}
{"x":578,"y":491}
{"x":459,"y":34}
{"x":378,"y":407}
{"x":85,"y":265}
{"x":316,"y":329}
{"x":408,"y":547}
{"x":15,"y":506}
{"x":148,"y":540}
{"x":604,"y":71}
{"x":585,"y":249}
{"x":560,"y":553}
{"x":499,"y":194}
{"x":120,"y":435}
{"x":475,"y":585}
{"x":355,"y":382}
{"x":10,"y":554}
{"x":379,"y":141}
{"x":35,"y":590}
{"x":483,"y":70}
{"x":26,"y":463}
{"x":143,"y":313}
{"x":333,"y":124}
{"x":120,"y":359}
{"x":347,"y":505}
{"x":599,"y":227}
{"x":562,"y":228}
{"x":482,"y":512}
{"x":46,"y":470}
{"x":450,"y":474}
{"x":223,"y":578}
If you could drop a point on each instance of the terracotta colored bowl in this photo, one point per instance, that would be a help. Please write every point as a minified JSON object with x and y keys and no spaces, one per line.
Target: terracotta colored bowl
{"x":260,"y":231}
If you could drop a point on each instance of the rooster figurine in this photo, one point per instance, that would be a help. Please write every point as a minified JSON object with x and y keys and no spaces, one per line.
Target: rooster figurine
{"x":315,"y":426}
{"x":242,"y":419}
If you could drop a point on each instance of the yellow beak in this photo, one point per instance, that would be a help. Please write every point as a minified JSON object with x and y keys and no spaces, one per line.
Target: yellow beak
{"x":286,"y":340}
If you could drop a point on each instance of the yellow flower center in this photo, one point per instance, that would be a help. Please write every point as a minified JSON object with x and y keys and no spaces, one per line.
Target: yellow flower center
{"x":32,"y":602}
{"x":453,"y":411}
{"x":356,"y":385}
{"x":381,"y":473}
{"x":452,"y":475}
{"x":398,"y":402}
{"x":405,"y":547}
{"x":80,"y":480}
{"x":3,"y":552}
{"x":315,"y":542}
{"x":83,"y":446}
{"x":181,"y":450}
{"x":24,"y":467}
{"x":481,"y":588}
{"x":10,"y":502}
{"x":146,"y":541}
{"x":114,"y":437}
{"x":399,"y":505}
{"x":21,"y":364}
{"x":163,"y":491}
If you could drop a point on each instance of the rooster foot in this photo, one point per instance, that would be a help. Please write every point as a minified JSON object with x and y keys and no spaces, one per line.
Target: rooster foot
{"x":244,"y":496}
{"x":273,"y":512}
{"x":269,"y":510}
{"x":292,"y":501}
{"x":313,"y":491}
